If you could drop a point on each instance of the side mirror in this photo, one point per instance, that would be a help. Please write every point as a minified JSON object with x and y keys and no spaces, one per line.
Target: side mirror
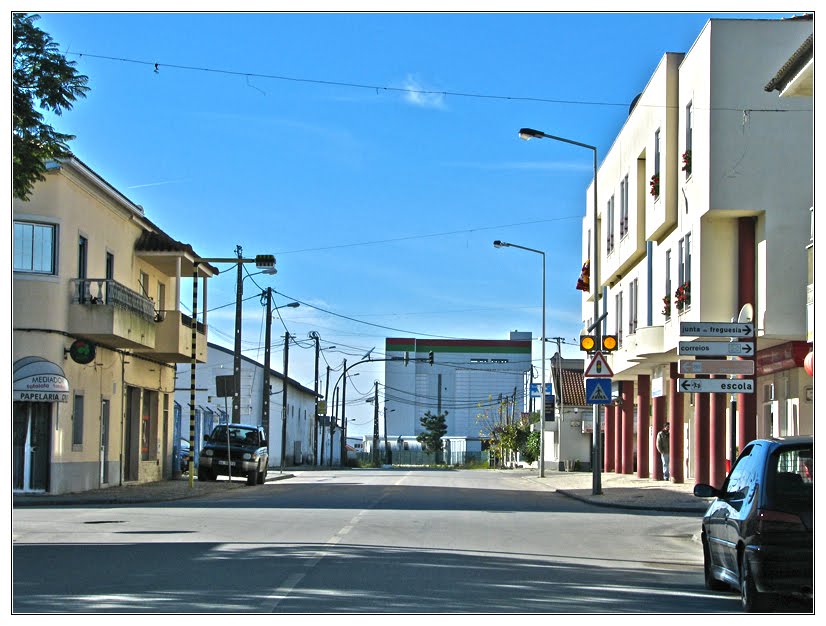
{"x":707,"y":491}
{"x":206,"y":438}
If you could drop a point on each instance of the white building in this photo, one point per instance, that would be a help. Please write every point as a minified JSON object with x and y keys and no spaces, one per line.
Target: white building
{"x":703,"y":213}
{"x":212,"y":408}
{"x":470,"y":379}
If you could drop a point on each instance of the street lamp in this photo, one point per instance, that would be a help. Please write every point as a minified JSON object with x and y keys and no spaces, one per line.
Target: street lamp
{"x":502,"y":244}
{"x":530,"y":133}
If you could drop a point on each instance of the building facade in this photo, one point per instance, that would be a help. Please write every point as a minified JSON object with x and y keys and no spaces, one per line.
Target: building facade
{"x":704,"y":215}
{"x":97,"y":330}
{"x":212,"y":407}
{"x":473,"y":381}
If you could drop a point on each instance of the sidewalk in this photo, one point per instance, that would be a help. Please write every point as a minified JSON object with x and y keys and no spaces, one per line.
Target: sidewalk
{"x":623,"y":491}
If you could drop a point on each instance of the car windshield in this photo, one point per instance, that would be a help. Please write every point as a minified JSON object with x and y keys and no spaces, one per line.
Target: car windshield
{"x":237,"y":436}
{"x":791,"y":479}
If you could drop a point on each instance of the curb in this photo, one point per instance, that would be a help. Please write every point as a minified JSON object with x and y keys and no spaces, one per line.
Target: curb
{"x":632,"y":507}
{"x":115,"y":498}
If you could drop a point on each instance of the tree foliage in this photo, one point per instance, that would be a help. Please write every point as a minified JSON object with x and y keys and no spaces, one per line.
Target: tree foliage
{"x":435,"y":427}
{"x":42,"y":79}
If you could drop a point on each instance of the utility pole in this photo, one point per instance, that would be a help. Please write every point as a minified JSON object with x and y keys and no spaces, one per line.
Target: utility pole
{"x":236,"y":362}
{"x":314,"y":438}
{"x":265,"y":400}
{"x":343,"y":414}
{"x":558,"y":391}
{"x":386,"y":445}
{"x":284,"y":400}
{"x":328,"y":411}
{"x":376,"y":424}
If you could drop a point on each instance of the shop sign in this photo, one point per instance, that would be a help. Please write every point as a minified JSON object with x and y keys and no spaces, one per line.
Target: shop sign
{"x":42,"y":388}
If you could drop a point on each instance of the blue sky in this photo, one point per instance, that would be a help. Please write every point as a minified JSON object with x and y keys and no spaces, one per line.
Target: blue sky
{"x":375,"y":155}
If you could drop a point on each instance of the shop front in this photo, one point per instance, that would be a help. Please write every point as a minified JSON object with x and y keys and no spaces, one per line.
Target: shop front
{"x":38,"y":386}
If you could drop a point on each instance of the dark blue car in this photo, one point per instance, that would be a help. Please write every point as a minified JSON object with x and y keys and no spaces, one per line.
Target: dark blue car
{"x":758,"y":533}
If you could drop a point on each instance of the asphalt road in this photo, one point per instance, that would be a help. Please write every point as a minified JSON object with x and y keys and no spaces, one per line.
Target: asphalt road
{"x":371,"y":541}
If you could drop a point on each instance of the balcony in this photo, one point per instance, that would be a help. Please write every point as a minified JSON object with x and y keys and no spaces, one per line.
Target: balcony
{"x":173,"y":339}
{"x":106,"y":312}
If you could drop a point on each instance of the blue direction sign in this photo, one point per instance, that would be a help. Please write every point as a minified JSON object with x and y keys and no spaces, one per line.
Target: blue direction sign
{"x":598,"y":390}
{"x":536,"y":390}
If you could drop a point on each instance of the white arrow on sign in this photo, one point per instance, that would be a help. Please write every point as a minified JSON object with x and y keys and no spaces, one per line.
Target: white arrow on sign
{"x":716,"y":329}
{"x":729,"y":367}
{"x":715,"y":348}
{"x":715,"y":385}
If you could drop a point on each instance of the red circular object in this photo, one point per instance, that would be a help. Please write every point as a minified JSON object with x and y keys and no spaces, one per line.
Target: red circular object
{"x":809,"y":364}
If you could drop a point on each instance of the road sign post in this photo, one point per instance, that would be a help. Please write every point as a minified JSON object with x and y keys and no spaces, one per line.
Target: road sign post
{"x":715,"y":385}
{"x":715,"y":348}
{"x":716,"y":329}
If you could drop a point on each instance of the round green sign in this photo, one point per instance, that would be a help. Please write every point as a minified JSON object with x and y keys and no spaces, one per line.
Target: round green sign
{"x":82,"y":351}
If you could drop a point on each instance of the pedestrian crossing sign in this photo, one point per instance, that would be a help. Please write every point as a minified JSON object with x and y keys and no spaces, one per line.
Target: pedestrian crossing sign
{"x":598,"y":390}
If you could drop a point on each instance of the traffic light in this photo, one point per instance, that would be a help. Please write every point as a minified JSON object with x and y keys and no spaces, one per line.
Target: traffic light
{"x":430,"y":357}
{"x":264,"y":261}
{"x":609,"y":343}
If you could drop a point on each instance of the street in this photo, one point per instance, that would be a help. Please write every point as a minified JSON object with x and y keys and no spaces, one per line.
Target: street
{"x":362,"y":541}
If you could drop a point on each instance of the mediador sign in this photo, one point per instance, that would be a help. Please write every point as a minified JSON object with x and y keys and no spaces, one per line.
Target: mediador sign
{"x":42,"y":388}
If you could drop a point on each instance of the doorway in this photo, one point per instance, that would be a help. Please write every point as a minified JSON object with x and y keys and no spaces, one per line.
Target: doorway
{"x":32,"y":443}
{"x":104,"y":441}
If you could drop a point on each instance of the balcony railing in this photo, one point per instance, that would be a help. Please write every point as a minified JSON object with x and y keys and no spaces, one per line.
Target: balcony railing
{"x":102,"y":291}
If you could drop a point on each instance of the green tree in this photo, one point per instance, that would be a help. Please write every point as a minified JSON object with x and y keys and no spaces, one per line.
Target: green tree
{"x":435,"y":427}
{"x":42,"y":79}
{"x":531,"y":451}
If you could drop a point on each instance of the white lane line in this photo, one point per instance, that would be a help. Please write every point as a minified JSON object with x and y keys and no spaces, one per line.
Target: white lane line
{"x":283,"y":592}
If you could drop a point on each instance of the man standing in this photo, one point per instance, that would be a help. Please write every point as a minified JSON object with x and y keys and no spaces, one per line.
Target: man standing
{"x":664,"y":447}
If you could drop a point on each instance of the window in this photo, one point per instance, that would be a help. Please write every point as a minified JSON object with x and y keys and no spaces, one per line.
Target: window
{"x":500,"y":361}
{"x":82,"y":256}
{"x":657,"y":152}
{"x":478,"y":360}
{"x":110,"y":266}
{"x":689,"y":127}
{"x":143,"y":284}
{"x":633,"y":295}
{"x":609,"y":240}
{"x":667,"y":297}
{"x":618,"y":302}
{"x":624,"y":207}
{"x":35,"y":248}
{"x":684,"y":269}
{"x":77,"y":421}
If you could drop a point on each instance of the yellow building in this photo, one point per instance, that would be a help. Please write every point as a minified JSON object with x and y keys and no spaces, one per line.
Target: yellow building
{"x":97,"y":330}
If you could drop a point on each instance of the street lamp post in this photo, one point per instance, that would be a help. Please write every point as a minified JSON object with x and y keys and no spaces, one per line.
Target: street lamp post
{"x":530,"y":133}
{"x":502,"y":244}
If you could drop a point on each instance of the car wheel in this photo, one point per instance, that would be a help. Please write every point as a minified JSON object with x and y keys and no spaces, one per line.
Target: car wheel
{"x":262,"y":476}
{"x":711,"y":583}
{"x":751,"y":600}
{"x":252,"y":477}
{"x":205,"y":474}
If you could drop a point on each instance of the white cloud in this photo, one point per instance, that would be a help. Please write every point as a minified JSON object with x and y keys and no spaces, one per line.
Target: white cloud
{"x":418,"y":95}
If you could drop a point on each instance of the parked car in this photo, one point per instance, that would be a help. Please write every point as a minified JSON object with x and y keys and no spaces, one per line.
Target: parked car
{"x":758,"y":533}
{"x":234,"y":450}
{"x":184,"y":454}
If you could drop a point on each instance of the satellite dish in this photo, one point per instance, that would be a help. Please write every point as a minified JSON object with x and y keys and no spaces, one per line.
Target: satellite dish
{"x":746,"y":314}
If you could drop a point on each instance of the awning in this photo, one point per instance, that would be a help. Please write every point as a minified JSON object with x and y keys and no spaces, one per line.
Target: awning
{"x":39,"y":380}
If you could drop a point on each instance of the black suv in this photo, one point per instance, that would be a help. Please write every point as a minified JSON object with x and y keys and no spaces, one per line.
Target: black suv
{"x":758,"y":533}
{"x":245,"y":446}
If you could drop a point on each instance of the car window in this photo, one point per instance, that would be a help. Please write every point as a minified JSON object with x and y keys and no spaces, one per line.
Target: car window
{"x":791,"y":478}
{"x":742,"y":475}
{"x":237,"y":436}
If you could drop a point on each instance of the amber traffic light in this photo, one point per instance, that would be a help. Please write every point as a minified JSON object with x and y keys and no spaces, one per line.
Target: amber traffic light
{"x":587,"y":343}
{"x":609,"y":343}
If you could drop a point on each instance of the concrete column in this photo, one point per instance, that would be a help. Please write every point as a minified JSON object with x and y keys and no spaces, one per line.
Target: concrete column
{"x":658,"y":419}
{"x":627,"y":424}
{"x":701,"y":435}
{"x":717,"y":443}
{"x":746,"y":402}
{"x":675,"y":415}
{"x":610,"y":430}
{"x":618,"y":460}
{"x":643,"y":409}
